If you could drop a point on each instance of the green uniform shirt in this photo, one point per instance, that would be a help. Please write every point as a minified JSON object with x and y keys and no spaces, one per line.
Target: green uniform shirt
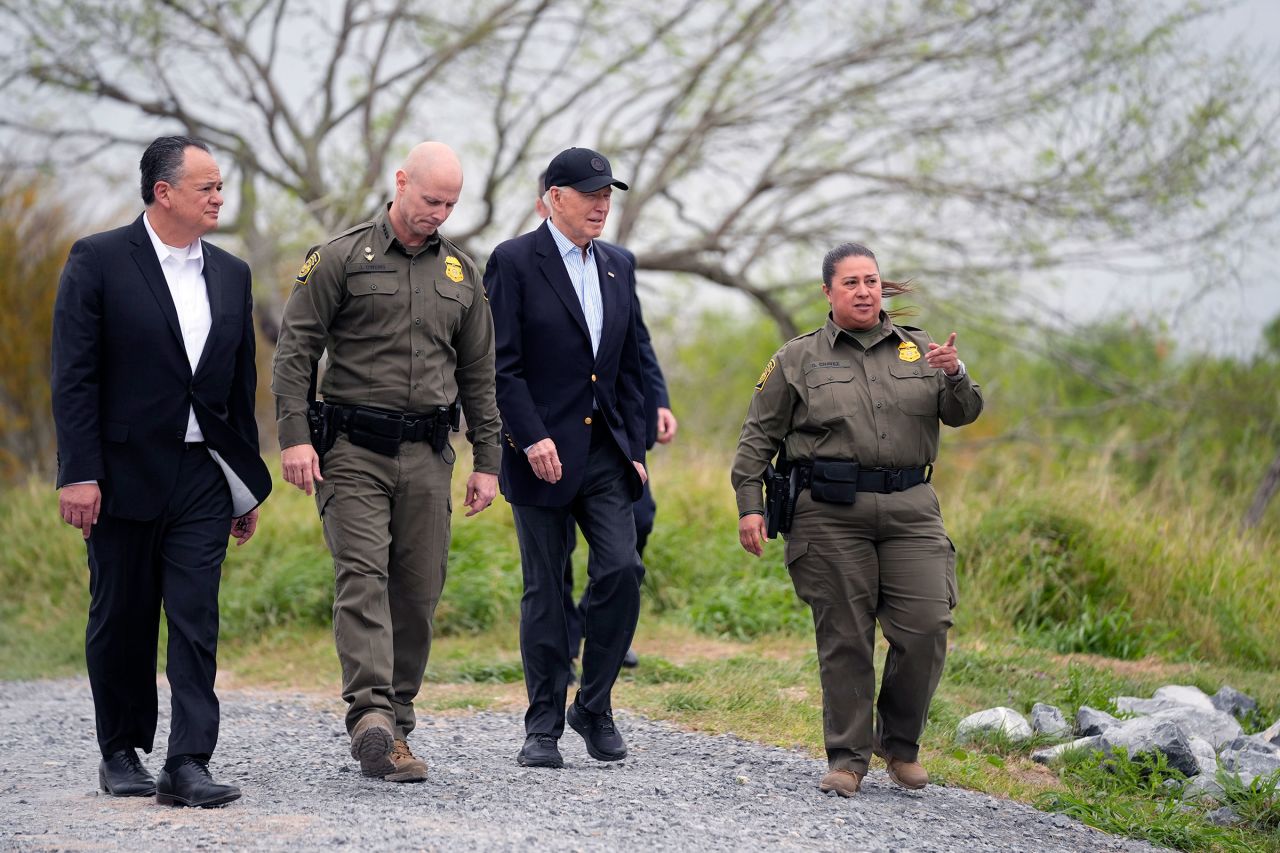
{"x":405,"y":331}
{"x":831,"y":398}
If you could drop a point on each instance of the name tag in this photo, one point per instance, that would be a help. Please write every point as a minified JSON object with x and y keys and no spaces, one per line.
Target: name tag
{"x":359,"y":268}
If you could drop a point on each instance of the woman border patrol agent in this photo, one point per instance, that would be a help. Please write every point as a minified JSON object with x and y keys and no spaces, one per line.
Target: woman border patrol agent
{"x":855,"y":405}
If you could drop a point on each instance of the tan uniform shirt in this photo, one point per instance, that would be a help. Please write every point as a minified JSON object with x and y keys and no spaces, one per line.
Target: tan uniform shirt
{"x":405,"y":331}
{"x":831,"y":398}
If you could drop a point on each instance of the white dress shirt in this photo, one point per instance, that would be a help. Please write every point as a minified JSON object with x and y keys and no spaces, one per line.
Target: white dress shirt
{"x":183,"y":269}
{"x":585,"y":276}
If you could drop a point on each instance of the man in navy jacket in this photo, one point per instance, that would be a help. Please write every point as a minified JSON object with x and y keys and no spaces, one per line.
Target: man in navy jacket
{"x":570,"y":391}
{"x":153,"y":391}
{"x":660,"y":426}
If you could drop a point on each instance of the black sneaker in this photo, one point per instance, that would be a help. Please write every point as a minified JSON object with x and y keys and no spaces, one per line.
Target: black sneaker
{"x":540,"y":750}
{"x":604,"y":743}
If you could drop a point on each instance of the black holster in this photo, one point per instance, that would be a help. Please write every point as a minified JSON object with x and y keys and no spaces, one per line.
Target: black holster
{"x":322,"y":423}
{"x":779,"y":496}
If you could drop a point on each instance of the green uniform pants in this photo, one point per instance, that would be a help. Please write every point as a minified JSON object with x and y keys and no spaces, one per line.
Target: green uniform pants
{"x":886,"y":558}
{"x":386,"y":521}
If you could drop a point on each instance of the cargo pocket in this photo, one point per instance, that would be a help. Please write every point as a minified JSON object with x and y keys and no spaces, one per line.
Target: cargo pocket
{"x":953,"y":587}
{"x":805,"y":574}
{"x":326,"y":494}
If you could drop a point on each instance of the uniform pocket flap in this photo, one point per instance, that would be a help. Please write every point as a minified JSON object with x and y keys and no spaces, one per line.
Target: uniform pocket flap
{"x":817,"y":373}
{"x":461,"y":292}
{"x":367,"y":282}
{"x":905,"y":370}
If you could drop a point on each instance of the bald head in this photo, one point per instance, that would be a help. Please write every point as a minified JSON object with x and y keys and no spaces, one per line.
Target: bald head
{"x":433,"y":159}
{"x":427,"y":188}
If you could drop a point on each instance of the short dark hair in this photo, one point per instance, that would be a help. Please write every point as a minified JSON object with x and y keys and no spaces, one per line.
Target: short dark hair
{"x":849,"y":250}
{"x":162,"y":161}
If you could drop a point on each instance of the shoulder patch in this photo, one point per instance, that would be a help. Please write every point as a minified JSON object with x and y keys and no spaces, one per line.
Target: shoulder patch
{"x":768,"y":369}
{"x":308,"y":267}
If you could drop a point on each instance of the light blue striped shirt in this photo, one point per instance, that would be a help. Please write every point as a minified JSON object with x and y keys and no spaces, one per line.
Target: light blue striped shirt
{"x":585,"y":276}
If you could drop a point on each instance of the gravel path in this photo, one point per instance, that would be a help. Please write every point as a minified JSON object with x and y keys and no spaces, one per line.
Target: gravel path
{"x":677,"y":791}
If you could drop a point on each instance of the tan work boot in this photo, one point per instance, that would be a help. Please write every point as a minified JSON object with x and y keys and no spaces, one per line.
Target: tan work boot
{"x":408,"y":768}
{"x":371,"y":743}
{"x":908,"y":774}
{"x":844,"y":782}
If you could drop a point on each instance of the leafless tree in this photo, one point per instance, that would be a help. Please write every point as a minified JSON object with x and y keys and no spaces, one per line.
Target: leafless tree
{"x":968,"y":142}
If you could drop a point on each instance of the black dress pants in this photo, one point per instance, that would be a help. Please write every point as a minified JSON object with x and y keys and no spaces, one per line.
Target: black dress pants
{"x":134,"y":567}
{"x":602,"y":509}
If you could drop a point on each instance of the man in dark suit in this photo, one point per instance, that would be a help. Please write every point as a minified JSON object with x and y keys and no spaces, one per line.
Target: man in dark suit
{"x":570,"y":392}
{"x":153,"y":390}
{"x":660,"y":427}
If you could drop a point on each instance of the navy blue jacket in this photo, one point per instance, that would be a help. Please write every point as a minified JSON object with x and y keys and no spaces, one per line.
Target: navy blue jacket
{"x":655,"y":384}
{"x":122,"y":383}
{"x":546,"y":374}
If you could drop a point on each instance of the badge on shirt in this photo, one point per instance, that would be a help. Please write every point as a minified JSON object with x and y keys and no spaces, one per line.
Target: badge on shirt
{"x":908,"y":351}
{"x":764,"y":377}
{"x":453,"y":268}
{"x":308,"y":267}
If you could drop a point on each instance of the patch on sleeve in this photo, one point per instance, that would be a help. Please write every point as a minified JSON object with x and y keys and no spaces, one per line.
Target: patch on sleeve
{"x":308,"y":267}
{"x":764,"y":377}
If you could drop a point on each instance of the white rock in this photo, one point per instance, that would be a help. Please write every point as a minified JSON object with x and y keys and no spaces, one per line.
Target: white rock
{"x":1150,"y":734}
{"x":1048,"y":720}
{"x":1272,"y":735}
{"x":1050,"y":754}
{"x":1213,"y":725}
{"x":1007,"y":720}
{"x":1185,"y":695}
{"x":1205,"y":757}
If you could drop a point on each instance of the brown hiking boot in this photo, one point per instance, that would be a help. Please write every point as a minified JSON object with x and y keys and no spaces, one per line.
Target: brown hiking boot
{"x":844,"y":782}
{"x":371,"y":743}
{"x":908,"y":774}
{"x":407,"y":767}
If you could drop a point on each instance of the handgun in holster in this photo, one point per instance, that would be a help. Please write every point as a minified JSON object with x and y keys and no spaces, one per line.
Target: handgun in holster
{"x":779,"y":496}
{"x":448,"y":418}
{"x":322,"y":420}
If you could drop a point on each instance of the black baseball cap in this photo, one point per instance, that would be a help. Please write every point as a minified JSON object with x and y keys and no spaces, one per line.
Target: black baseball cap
{"x":581,"y":169}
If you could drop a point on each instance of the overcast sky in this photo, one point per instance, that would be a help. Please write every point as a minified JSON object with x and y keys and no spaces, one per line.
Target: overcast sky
{"x":1245,"y":306}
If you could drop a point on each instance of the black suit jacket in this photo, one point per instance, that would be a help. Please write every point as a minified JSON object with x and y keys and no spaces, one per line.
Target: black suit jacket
{"x":546,"y":374}
{"x":122,"y":383}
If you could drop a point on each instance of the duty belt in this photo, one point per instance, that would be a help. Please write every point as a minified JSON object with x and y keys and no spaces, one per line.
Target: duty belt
{"x":834,"y":480}
{"x":383,"y":431}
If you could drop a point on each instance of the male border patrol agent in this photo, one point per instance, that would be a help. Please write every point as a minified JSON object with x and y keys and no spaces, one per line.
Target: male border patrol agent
{"x":409,"y":335}
{"x":856,"y":405}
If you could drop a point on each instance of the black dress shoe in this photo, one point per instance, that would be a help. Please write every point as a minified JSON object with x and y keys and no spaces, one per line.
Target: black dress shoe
{"x":631,"y":660}
{"x":540,"y":750}
{"x":121,"y":774}
{"x":189,"y":784}
{"x":604,"y":743}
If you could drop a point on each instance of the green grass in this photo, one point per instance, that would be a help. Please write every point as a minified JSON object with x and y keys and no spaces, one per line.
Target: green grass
{"x":1099,"y":555}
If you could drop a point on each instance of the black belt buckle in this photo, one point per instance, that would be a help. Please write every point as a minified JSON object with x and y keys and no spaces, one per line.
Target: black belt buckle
{"x":892,"y":480}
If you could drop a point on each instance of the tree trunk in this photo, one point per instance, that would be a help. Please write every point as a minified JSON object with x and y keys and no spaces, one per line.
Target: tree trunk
{"x":1268,"y":487}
